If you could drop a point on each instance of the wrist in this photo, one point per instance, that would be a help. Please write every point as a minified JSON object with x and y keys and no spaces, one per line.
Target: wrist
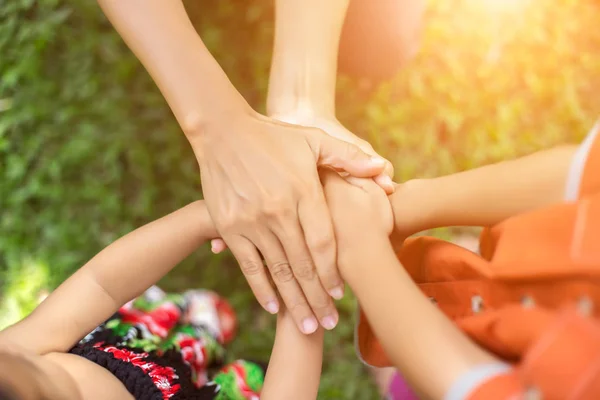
{"x":358,"y":250}
{"x":204,"y":223}
{"x":204,"y":131}
{"x":301,"y":87}
{"x":415,"y":204}
{"x":303,"y":108}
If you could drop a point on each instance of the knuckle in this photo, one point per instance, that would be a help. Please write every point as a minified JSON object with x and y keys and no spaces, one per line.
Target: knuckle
{"x":249,"y":217}
{"x":313,"y":192}
{"x":231,"y":221}
{"x":282,"y":272}
{"x":352,"y":151}
{"x":321,"y":303}
{"x":299,"y":304}
{"x":305,"y":270}
{"x":251,"y":267}
{"x":366,"y":146}
{"x":277,"y":208}
{"x":226,"y":223}
{"x":321,"y":243}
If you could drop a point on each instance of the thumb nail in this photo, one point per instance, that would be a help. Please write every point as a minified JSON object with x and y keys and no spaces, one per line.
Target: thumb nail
{"x":386,"y":180}
{"x":386,"y":184}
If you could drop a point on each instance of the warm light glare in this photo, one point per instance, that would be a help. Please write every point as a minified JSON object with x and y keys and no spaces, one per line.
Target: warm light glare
{"x":503,"y":5}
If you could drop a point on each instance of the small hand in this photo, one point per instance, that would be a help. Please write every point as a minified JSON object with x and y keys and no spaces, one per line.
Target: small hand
{"x":358,"y":208}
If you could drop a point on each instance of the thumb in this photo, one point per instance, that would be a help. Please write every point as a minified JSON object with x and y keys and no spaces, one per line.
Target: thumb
{"x":343,"y":156}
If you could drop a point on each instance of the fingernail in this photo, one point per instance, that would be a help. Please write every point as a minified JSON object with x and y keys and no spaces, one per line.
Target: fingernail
{"x":337,"y":292}
{"x":329,"y":322}
{"x":378,"y":161}
{"x":387,"y":181}
{"x":272,"y":307}
{"x":309,"y":325}
{"x":213,"y":248}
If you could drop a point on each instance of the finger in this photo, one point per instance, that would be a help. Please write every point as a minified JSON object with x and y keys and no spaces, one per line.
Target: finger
{"x":343,"y":156}
{"x":318,"y":233}
{"x":288,"y":287}
{"x":253,"y":269}
{"x":385,"y":179}
{"x":293,"y":240}
{"x":217,"y":245}
{"x":386,"y":183}
{"x":364,"y":184}
{"x":389,"y":169}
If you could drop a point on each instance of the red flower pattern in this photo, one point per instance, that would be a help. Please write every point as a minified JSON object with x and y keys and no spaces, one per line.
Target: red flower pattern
{"x":162,"y":377}
{"x":193,"y":352}
{"x":158,"y":321}
{"x":240,"y":378}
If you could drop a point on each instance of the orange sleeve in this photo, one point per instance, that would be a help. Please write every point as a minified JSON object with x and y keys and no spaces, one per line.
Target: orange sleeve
{"x":563,"y":363}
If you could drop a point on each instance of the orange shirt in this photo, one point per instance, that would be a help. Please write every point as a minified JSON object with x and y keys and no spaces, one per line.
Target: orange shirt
{"x":529,"y":297}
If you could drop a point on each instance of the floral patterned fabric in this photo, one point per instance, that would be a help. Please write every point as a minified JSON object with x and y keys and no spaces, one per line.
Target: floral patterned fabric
{"x":167,"y":346}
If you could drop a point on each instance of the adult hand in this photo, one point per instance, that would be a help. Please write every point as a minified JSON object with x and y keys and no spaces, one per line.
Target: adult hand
{"x":333,"y":128}
{"x":262,"y":189}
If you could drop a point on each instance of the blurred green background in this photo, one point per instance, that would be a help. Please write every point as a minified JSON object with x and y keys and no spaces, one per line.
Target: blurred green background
{"x":89,"y":150}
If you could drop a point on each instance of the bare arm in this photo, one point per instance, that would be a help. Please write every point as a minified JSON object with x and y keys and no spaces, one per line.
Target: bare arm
{"x":162,"y":36}
{"x":304,"y":70}
{"x":258,"y":175}
{"x":295,"y":366}
{"x":483,"y":196}
{"x":304,"y":65}
{"x":116,"y":275}
{"x":418,"y":338}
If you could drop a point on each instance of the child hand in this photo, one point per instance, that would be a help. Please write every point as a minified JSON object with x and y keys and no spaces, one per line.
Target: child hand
{"x":358,"y":207}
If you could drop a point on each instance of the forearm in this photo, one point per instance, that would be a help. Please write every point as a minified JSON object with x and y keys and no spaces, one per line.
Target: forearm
{"x":485,"y":196}
{"x":421,"y":341}
{"x":116,"y":275}
{"x":295,"y":366}
{"x":304,"y":64}
{"x":163,"y":38}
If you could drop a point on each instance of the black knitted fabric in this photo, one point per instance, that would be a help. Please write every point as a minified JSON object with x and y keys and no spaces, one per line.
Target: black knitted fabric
{"x":138,"y":383}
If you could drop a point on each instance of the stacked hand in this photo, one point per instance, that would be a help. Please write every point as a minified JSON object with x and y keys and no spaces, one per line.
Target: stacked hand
{"x":262,"y":189}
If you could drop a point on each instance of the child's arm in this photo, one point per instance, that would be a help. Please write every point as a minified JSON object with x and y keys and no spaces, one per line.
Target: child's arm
{"x":295,"y":365}
{"x":116,"y":275}
{"x":484,"y":196}
{"x":427,"y":347}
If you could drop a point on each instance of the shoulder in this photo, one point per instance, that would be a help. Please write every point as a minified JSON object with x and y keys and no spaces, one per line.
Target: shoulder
{"x":91,"y":381}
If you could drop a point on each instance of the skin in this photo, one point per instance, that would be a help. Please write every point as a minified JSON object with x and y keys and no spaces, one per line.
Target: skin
{"x":36,"y":348}
{"x":369,"y":265}
{"x":304,"y":68}
{"x":259,"y":175}
{"x":482,"y":196}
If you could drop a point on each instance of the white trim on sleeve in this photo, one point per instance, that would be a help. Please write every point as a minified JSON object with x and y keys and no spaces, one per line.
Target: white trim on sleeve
{"x":471,"y":379}
{"x":578,"y":165}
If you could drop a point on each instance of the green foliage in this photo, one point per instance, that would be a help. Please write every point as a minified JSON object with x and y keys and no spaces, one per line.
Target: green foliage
{"x":89,"y":149}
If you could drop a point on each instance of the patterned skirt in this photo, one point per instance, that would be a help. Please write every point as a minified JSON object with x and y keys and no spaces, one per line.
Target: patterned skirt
{"x":171,"y":346}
